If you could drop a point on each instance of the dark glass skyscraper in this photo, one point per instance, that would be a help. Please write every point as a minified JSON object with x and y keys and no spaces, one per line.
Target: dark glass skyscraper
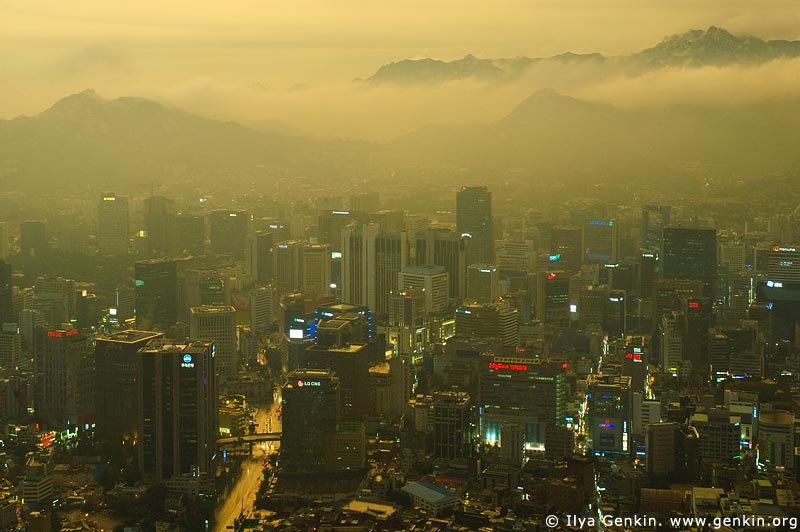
{"x":474,"y":218}
{"x":178,"y":417}
{"x":691,"y":254}
{"x":156,"y":283}
{"x":115,"y":361}
{"x":112,"y":224}
{"x":228,"y":232}
{"x":159,"y":222}
{"x":6,"y":305}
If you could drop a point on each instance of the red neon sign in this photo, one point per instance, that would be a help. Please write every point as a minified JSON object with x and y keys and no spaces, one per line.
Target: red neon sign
{"x":512,"y":367}
{"x":694,"y":304}
{"x":62,"y":334}
{"x":551,"y":276}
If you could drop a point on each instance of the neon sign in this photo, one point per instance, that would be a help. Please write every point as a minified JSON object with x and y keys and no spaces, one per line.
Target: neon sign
{"x":312,"y":384}
{"x":62,"y":334}
{"x":554,"y":258}
{"x":187,"y":361}
{"x":513,"y":367}
{"x":694,"y":304}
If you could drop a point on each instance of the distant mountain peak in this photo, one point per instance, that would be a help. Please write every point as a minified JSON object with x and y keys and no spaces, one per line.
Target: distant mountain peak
{"x":694,"y":48}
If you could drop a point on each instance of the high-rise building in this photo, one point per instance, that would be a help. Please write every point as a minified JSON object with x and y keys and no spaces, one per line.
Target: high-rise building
{"x":719,"y":435}
{"x":10,"y":346}
{"x":442,"y":247}
{"x":366,"y":201}
{"x":190,"y":231}
{"x":371,"y":263}
{"x":59,"y":289}
{"x":32,"y":238}
{"x":776,"y":437}
{"x":601,"y":241}
{"x":159,"y":226}
{"x":311,"y":410}
{"x":115,"y":362}
{"x":663,"y":449}
{"x":691,"y":254}
{"x":566,"y":249}
{"x":261,"y":305}
{"x":289,"y":266}
{"x":228,"y":231}
{"x":156,"y":285}
{"x":260,"y":257}
{"x":783,"y":264}
{"x":492,"y":320}
{"x":65,"y":378}
{"x":552,"y":297}
{"x":350,"y":363}
{"x":654,"y":219}
{"x":4,"y":241}
{"x":178,"y":412}
{"x":483,"y":283}
{"x":6,"y":299}
{"x":407,"y":321}
{"x":474,"y":221}
{"x":609,"y":404}
{"x":432,"y":280}
{"x":332,"y":224}
{"x":672,"y":342}
{"x":316,"y":270}
{"x":218,"y":324}
{"x":112,"y":224}
{"x":520,"y":391}
{"x":452,"y":425}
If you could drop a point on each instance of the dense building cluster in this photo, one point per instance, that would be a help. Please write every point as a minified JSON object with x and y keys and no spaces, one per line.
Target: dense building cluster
{"x":379,"y":369}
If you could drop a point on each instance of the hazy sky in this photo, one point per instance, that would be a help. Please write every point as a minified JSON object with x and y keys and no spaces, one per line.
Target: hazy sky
{"x":198,"y":54}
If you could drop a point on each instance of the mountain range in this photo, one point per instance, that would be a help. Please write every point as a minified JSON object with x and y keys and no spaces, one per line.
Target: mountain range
{"x":694,"y":48}
{"x":87,"y":140}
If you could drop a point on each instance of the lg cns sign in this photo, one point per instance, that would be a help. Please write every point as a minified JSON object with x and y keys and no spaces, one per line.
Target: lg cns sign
{"x":187,"y":361}
{"x":308,"y":384}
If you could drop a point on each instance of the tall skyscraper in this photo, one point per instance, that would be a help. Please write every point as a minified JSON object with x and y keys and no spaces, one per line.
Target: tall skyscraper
{"x":452,"y":425}
{"x":371,"y":264}
{"x":441,"y":247}
{"x":610,"y":409}
{"x":159,"y":224}
{"x":432,"y":280}
{"x":178,"y":412}
{"x":6,"y":300}
{"x":228,"y":231}
{"x":311,"y":403}
{"x":218,"y":324}
{"x":350,"y":363}
{"x":32,"y":238}
{"x":601,"y":241}
{"x":483,"y":283}
{"x":566,"y":248}
{"x":190,"y":231}
{"x":474,"y":220}
{"x":115,"y":361}
{"x":112,"y":224}
{"x":260,"y":257}
{"x":261,"y":305}
{"x":4,"y":244}
{"x":654,"y":219}
{"x":691,"y":254}
{"x":289,"y":266}
{"x":407,"y":321}
{"x":65,"y":378}
{"x":156,"y":285}
{"x":316,"y":270}
{"x":333,"y":222}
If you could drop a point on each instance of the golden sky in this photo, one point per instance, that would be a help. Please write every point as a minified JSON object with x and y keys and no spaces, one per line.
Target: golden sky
{"x":176,"y":49}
